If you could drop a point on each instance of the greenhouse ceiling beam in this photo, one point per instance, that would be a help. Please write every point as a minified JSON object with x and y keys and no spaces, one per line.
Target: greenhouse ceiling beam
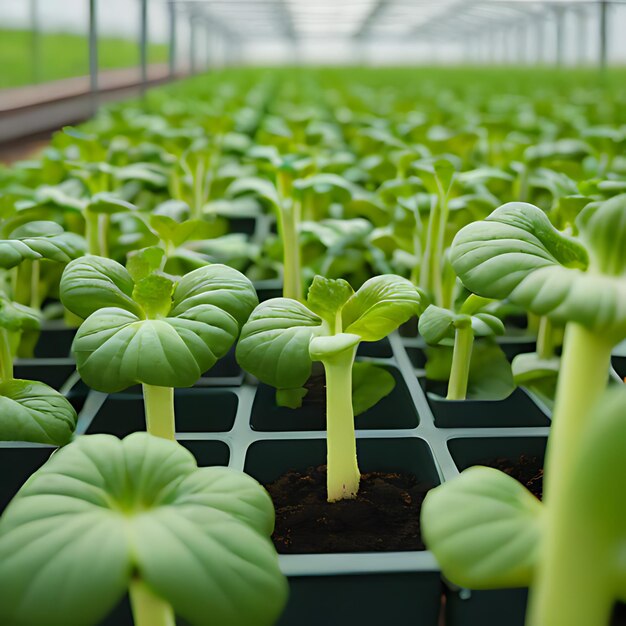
{"x":371,"y":18}
{"x":467,"y":11}
{"x":268,"y":11}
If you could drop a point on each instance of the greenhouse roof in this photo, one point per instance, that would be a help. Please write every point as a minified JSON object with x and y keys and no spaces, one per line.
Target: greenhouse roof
{"x":299,"y":19}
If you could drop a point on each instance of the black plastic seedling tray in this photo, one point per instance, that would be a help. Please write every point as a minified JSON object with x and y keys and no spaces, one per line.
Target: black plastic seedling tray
{"x":231,"y":420}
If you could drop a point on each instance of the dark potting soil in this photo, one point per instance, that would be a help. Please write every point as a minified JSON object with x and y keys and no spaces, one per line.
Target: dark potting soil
{"x":526,"y":469}
{"x":384,"y":517}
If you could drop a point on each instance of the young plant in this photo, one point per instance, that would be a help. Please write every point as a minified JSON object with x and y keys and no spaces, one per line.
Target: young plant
{"x":144,"y":327}
{"x":487,"y":531}
{"x":284,"y":199}
{"x":437,"y":178}
{"x":284,"y":337}
{"x":104,"y":516}
{"x":31,"y":411}
{"x":441,"y":326}
{"x":516,"y":253}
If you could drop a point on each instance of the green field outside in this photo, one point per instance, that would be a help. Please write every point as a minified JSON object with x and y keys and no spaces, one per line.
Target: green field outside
{"x":64,"y":56}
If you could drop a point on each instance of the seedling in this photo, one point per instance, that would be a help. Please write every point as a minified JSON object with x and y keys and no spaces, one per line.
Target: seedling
{"x":488,"y":532}
{"x":142,"y":326}
{"x":441,"y":326}
{"x":283,"y":337}
{"x":105,"y":516}
{"x":517,"y":253}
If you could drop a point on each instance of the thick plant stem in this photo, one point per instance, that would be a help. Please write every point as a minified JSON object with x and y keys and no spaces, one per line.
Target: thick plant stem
{"x":159,"y":406}
{"x":6,"y":356}
{"x":148,"y":608}
{"x":545,"y":339}
{"x":292,"y":279}
{"x":582,"y":380}
{"x":461,"y":358}
{"x":91,"y":233}
{"x":343,"y":475}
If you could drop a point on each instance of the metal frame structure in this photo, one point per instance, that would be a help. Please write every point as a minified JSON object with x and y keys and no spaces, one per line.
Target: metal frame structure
{"x":477,"y":23}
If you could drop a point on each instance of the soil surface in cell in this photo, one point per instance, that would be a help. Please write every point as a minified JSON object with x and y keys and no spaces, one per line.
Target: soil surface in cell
{"x":384,"y":516}
{"x":526,"y":469}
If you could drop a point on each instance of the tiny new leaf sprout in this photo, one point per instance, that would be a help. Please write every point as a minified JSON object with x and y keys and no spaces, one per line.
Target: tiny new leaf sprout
{"x":487,"y":531}
{"x":283,"y":337}
{"x":141,"y":326}
{"x":105,"y":516}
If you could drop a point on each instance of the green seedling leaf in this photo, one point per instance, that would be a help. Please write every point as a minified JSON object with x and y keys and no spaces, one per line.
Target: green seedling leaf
{"x":274,"y":343}
{"x":91,"y":283}
{"x":563,"y":149}
{"x":34,"y":412}
{"x":484,"y":529}
{"x":144,"y":262}
{"x":117,"y":347}
{"x":259,"y":187}
{"x":101,"y":511}
{"x":40,"y":240}
{"x":291,"y":398}
{"x":108,"y":204}
{"x":370,"y":384}
{"x":381,"y":305}
{"x":437,"y":324}
{"x":16,"y":317}
{"x":436,"y":176}
{"x":337,"y":187}
{"x":154,"y":295}
{"x":490,"y":376}
{"x":326,"y":297}
{"x":517,"y":254}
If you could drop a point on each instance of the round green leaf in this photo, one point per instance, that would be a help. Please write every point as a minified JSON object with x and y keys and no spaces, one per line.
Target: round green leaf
{"x":102,"y":510}
{"x":32,"y":411}
{"x":216,"y":286}
{"x":91,"y":283}
{"x":517,"y":254}
{"x":274,"y":343}
{"x":115,"y":349}
{"x":381,"y":305}
{"x":483,"y":527}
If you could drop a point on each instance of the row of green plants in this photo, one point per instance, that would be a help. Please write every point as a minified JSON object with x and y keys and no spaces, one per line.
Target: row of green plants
{"x":443,"y":205}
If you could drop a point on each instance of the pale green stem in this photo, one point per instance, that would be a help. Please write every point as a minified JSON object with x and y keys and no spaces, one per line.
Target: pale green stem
{"x":35,"y":302}
{"x":21,"y":292}
{"x":431,"y":238}
{"x":461,"y":358}
{"x":198,"y":189}
{"x":103,"y":234}
{"x":523,"y":185}
{"x":533,"y":323}
{"x":159,"y":406}
{"x":148,"y":608}
{"x":91,"y":232}
{"x":582,"y":380}
{"x":437,"y":262}
{"x":175,"y":186}
{"x":6,"y":356}
{"x":545,"y":339}
{"x":417,"y":245}
{"x":343,"y":476}
{"x":288,"y":226}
